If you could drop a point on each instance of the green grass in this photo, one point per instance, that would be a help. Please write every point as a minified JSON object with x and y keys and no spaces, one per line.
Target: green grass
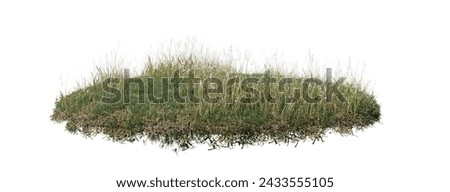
{"x":218,"y":124}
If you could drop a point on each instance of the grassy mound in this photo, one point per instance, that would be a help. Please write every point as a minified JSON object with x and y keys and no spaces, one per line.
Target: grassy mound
{"x":178,"y":100}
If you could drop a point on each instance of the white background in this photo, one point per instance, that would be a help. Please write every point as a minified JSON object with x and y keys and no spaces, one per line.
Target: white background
{"x":48,"y":46}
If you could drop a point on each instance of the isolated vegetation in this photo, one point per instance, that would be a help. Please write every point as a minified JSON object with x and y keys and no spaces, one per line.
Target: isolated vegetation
{"x":224,"y":123}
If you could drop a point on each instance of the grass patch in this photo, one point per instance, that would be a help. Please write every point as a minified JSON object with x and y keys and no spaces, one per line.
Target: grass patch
{"x":245,"y":117}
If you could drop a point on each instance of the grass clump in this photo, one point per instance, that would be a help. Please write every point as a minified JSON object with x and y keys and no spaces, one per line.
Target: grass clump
{"x":178,"y":100}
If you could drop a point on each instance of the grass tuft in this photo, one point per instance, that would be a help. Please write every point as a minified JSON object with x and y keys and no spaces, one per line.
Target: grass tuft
{"x":227,"y":123}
